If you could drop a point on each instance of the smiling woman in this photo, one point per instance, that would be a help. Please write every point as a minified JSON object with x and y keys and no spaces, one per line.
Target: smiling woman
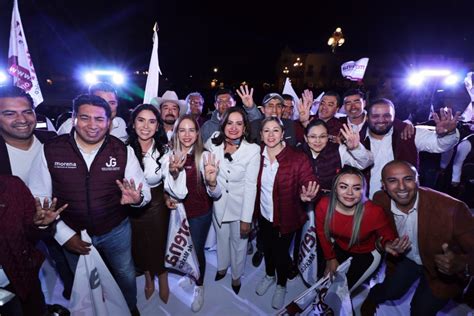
{"x":348,"y":225}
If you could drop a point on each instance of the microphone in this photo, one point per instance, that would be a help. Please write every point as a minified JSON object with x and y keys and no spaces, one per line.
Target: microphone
{"x":228,"y":157}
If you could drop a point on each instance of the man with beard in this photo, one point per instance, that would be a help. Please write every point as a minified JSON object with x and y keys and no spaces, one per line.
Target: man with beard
{"x":20,"y":142}
{"x":170,"y":108}
{"x":383,"y":138}
{"x":441,"y":231}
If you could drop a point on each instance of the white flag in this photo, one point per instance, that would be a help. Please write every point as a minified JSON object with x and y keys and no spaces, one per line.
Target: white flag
{"x":154,"y":71}
{"x":308,"y":256}
{"x":354,"y":70}
{"x":316,"y":102}
{"x":288,"y":89}
{"x":328,"y":296}
{"x":20,"y":65}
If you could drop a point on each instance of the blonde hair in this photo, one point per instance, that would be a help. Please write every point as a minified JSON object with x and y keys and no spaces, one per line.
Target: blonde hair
{"x":198,"y":147}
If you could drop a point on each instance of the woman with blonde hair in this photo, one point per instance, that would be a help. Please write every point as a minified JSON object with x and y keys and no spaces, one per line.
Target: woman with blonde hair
{"x":201,"y":183}
{"x":349,"y":225}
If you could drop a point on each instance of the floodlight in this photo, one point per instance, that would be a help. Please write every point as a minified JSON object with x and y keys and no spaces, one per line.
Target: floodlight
{"x":118,"y":79}
{"x":3,"y":77}
{"x":90,"y":78}
{"x":416,"y":79}
{"x":451,"y":80}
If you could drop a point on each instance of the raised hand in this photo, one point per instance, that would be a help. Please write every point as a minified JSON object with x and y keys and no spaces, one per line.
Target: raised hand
{"x":308,"y":194}
{"x":177,"y":161}
{"x":211,"y":168}
{"x":304,"y":106}
{"x":246,"y":96}
{"x":445,"y":122}
{"x":352,"y":139}
{"x":448,"y":262}
{"x":130,"y":193}
{"x":397,"y":246}
{"x":46,"y":214}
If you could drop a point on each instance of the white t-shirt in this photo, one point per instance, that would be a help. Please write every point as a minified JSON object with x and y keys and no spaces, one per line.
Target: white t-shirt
{"x":22,"y":160}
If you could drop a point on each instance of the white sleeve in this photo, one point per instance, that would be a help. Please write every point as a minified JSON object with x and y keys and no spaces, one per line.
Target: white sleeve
{"x":65,"y":127}
{"x":250,"y":190}
{"x":39,"y":178}
{"x":427,"y":140}
{"x":175,"y":187}
{"x":463,"y":150}
{"x":359,"y":158}
{"x":135,"y":172}
{"x":217,"y":192}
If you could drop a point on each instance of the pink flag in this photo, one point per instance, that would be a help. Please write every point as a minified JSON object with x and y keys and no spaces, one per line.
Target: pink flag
{"x":20,"y":65}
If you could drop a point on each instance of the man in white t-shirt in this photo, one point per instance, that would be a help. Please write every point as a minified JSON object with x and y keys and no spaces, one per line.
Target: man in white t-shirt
{"x":118,"y":128}
{"x":19,"y":145}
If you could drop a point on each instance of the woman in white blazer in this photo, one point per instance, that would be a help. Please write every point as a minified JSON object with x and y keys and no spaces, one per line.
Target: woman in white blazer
{"x":233,"y":211}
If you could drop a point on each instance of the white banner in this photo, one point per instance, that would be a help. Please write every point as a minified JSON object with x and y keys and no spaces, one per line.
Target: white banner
{"x":20,"y":65}
{"x":180,"y":253}
{"x":95,"y":291}
{"x":154,"y":71}
{"x":354,"y":70}
{"x":307,"y":256}
{"x":288,"y":89}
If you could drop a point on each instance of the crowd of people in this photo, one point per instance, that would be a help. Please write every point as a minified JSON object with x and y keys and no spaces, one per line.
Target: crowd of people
{"x":242,"y":169}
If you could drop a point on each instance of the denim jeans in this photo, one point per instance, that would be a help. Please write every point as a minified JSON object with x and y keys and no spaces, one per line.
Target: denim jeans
{"x":199,"y":227}
{"x":115,"y":248}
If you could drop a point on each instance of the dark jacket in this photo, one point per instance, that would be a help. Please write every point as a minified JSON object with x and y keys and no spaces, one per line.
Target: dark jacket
{"x":93,"y":195}
{"x":441,"y":219}
{"x":19,"y":257}
{"x":326,"y":165}
{"x":294,"y":171}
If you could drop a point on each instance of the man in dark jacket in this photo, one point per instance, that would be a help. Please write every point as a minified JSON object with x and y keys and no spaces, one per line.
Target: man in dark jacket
{"x":83,"y":169}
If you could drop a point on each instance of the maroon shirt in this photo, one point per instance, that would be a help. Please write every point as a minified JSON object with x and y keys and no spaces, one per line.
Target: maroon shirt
{"x":197,"y":202}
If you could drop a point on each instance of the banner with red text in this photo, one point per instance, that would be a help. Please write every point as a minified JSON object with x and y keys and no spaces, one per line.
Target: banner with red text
{"x":20,"y":65}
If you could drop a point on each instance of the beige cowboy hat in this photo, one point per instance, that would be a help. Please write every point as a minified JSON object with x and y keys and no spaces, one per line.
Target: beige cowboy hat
{"x":170,"y":96}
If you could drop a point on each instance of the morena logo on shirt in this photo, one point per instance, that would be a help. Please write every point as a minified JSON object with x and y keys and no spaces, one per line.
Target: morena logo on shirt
{"x":65,"y":165}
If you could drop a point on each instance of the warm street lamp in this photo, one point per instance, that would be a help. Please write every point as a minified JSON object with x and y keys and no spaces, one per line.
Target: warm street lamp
{"x":337,"y":39}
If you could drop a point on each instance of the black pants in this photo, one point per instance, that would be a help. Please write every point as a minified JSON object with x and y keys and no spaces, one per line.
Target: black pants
{"x":397,"y":285}
{"x":276,"y":249}
{"x":362,"y":266}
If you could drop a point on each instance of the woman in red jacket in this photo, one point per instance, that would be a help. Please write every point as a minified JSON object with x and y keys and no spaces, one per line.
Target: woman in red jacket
{"x":285,"y":181}
{"x":348,"y":225}
{"x":21,"y":227}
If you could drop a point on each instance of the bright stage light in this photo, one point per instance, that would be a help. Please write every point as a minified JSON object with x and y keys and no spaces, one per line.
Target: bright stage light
{"x":96,"y":76}
{"x":416,"y":79}
{"x":451,"y":80}
{"x":3,"y":77}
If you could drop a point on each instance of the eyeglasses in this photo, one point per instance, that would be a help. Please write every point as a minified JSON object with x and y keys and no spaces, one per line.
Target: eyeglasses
{"x":317,"y":137}
{"x":195,"y":102}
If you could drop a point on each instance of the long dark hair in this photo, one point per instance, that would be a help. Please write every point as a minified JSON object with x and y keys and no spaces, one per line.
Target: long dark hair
{"x":219,"y":139}
{"x":161,"y":140}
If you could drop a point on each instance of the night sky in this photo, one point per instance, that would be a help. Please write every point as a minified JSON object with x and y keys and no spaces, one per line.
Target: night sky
{"x":243,"y":38}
